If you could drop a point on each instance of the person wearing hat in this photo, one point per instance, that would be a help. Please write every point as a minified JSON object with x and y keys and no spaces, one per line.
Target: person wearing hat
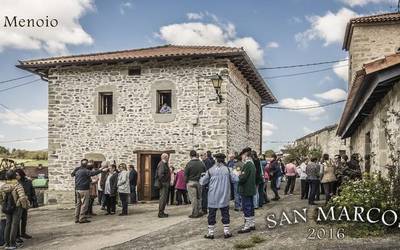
{"x":247,"y":189}
{"x":219,"y":179}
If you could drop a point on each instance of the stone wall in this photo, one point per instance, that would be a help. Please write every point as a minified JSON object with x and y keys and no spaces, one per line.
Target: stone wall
{"x":75,"y":128}
{"x":328,"y":141}
{"x":375,"y":125}
{"x":370,"y":42}
{"x":238,"y":136}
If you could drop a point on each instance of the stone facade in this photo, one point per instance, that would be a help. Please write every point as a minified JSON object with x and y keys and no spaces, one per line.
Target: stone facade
{"x":196,"y":122}
{"x":327,"y":140}
{"x":370,"y":42}
{"x":380,"y":119}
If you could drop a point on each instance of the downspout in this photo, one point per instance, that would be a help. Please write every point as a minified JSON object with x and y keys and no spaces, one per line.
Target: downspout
{"x":261,"y":121}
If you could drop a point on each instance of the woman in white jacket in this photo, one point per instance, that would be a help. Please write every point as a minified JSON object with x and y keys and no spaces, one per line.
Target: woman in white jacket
{"x":301,"y":171}
{"x":123,"y":187}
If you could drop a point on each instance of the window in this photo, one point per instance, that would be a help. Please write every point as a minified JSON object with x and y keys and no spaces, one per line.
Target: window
{"x":164,"y":101}
{"x":135,"y":71}
{"x":247,"y":115}
{"x":105,"y":103}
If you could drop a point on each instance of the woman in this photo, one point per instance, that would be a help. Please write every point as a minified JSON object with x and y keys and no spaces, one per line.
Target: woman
{"x":15,"y":202}
{"x":110,"y":189}
{"x":301,"y":171}
{"x":328,"y":177}
{"x":172,"y":186}
{"x":31,"y":195}
{"x":180,"y":186}
{"x":92,"y":190}
{"x":123,"y":187}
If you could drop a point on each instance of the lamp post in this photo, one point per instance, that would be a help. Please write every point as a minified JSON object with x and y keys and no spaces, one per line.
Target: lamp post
{"x":217,"y":82}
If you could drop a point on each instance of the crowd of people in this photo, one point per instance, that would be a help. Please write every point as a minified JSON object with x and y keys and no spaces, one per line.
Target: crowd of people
{"x":17,"y":195}
{"x":209,"y":182}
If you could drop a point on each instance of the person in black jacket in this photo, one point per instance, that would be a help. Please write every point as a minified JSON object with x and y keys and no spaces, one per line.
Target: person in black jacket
{"x":274,"y":171}
{"x":82,"y":185}
{"x":111,"y":189}
{"x":31,"y":195}
{"x":133,"y":182}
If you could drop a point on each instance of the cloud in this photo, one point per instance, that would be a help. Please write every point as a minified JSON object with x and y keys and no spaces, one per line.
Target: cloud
{"x":52,"y":39}
{"x":313,"y":113}
{"x":307,"y":130}
{"x":198,"y":33}
{"x":333,"y":95}
{"x":330,"y":28}
{"x":295,"y":19}
{"x":34,"y":119}
{"x":125,"y":6}
{"x":268,"y":129}
{"x":341,"y":69}
{"x":353,"y":3}
{"x":195,"y":16}
{"x":272,"y":45}
{"x":1,"y":136}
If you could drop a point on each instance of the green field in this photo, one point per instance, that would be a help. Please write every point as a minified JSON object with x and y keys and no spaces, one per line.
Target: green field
{"x":30,"y":162}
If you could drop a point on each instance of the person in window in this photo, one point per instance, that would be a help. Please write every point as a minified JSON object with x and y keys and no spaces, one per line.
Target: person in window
{"x":165,"y":108}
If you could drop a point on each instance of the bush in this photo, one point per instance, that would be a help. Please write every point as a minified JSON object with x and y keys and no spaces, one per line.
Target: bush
{"x":373,"y":191}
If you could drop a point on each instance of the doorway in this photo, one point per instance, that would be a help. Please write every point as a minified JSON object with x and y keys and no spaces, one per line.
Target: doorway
{"x":147,"y":168}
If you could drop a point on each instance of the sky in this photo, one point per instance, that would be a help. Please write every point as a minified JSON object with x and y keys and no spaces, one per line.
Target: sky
{"x":273,"y":33}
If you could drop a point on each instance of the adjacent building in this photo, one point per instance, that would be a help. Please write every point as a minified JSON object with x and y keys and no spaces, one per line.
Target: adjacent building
{"x":371,"y":118}
{"x":134,"y":105}
{"x":326,"y":140}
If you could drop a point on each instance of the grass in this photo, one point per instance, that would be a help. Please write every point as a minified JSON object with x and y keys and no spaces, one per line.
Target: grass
{"x":30,"y":162}
{"x":249,"y":243}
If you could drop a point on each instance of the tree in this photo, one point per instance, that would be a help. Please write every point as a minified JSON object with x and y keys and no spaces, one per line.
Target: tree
{"x":4,"y":151}
{"x":301,"y":151}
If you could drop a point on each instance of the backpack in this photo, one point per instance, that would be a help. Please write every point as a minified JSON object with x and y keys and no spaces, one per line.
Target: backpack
{"x":9,"y":205}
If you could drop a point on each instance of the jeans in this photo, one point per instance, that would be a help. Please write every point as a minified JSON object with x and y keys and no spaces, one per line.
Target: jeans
{"x":248,"y":206}
{"x":255,"y":198}
{"x":124,"y":200}
{"x":171,"y":195}
{"x":261,"y":195}
{"x":133,"y":194}
{"x":213,"y":213}
{"x":314,"y":186}
{"x":24,"y":221}
{"x":204,"y":198}
{"x":2,"y":230}
{"x":194,"y":190}
{"x":278,"y":182}
{"x":329,"y":190}
{"x":12,"y":226}
{"x":274,"y":186}
{"x":305,"y":187}
{"x":82,"y":204}
{"x":111,"y":203}
{"x":100,"y":198}
{"x":91,"y":203}
{"x":181,"y":194}
{"x":162,"y":203}
{"x":238,"y":200}
{"x":291,"y":182}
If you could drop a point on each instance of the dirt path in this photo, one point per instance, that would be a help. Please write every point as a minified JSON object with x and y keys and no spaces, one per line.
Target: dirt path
{"x":55,"y":229}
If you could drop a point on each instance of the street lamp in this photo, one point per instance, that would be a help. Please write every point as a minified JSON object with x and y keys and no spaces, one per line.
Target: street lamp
{"x":217,"y":82}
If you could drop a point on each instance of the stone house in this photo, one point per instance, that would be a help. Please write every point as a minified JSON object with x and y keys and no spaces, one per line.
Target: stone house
{"x":327,"y":140}
{"x":371,"y":117}
{"x":108,"y":106}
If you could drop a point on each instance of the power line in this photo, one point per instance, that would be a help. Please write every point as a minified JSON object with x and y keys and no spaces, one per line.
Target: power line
{"x":21,"y":116}
{"x":303,"y":65}
{"x":303,"y":73}
{"x":20,"y":85}
{"x":22,"y":140}
{"x":14,"y":79}
{"x":306,"y":107}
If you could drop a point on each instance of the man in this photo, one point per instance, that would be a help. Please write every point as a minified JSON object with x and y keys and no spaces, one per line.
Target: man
{"x":290,"y":172}
{"x":133,"y":182}
{"x":237,"y":170}
{"x":194,"y":169}
{"x":313,"y":176}
{"x":208,"y":161}
{"x":163,"y":178}
{"x":219,"y":179}
{"x":165,"y":109}
{"x":82,"y":185}
{"x":247,"y":189}
{"x":274,"y":173}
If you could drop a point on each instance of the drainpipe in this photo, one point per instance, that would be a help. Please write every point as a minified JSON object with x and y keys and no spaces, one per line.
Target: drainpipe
{"x":261,"y":121}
